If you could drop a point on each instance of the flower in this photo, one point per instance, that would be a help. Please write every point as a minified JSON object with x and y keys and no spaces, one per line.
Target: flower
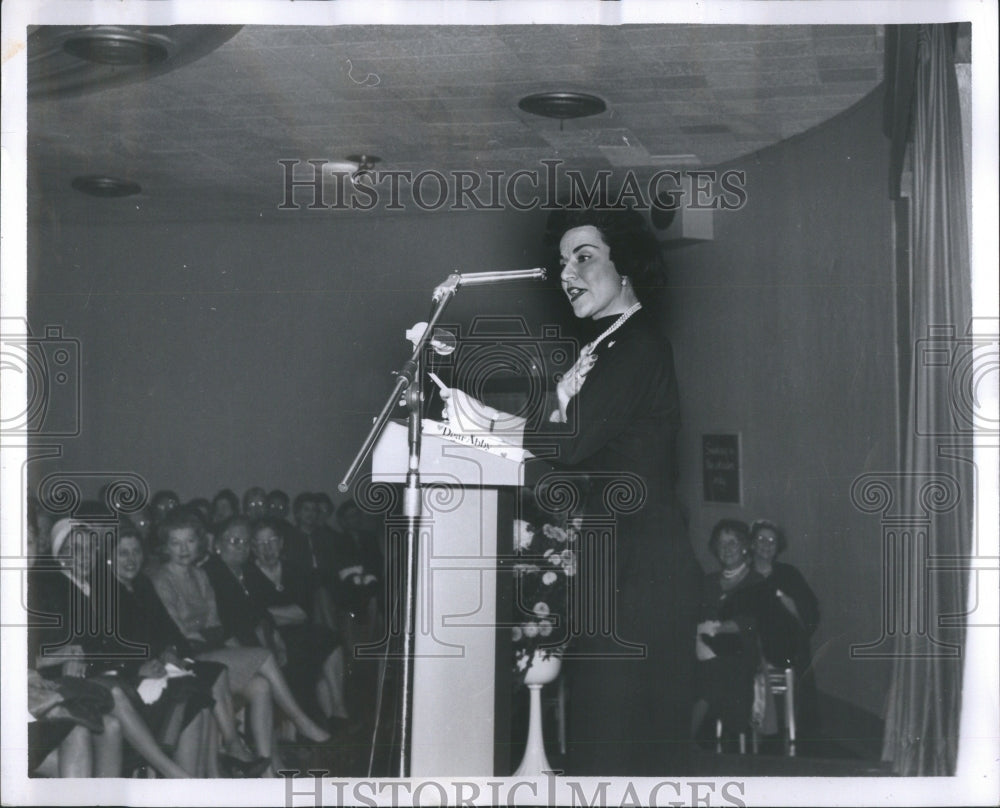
{"x":523,"y":534}
{"x":546,"y":560}
{"x":555,"y":532}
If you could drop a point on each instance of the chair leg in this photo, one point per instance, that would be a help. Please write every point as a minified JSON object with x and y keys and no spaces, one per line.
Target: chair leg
{"x":561,"y":716}
{"x":790,"y":709}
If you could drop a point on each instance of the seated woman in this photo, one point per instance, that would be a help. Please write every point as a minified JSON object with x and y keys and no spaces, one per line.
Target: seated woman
{"x":64,"y":604}
{"x":315,"y":657}
{"x":726,"y":644}
{"x":225,"y":505}
{"x":144,"y":621}
{"x":187,"y":593}
{"x":790,"y":619}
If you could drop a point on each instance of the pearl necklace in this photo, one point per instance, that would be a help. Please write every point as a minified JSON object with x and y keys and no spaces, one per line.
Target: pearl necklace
{"x":590,"y":346}
{"x":735,"y":573}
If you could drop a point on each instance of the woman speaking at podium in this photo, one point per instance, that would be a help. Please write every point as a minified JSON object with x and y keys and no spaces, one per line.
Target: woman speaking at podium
{"x":613,"y":422}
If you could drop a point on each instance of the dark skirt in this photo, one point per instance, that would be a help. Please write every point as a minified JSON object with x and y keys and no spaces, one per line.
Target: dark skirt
{"x":631,"y":688}
{"x":309,"y":646}
{"x":187,"y":695}
{"x":44,"y":737}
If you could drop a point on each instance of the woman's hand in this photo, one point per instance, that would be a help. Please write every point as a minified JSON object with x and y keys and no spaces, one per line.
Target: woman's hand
{"x":170,"y":657}
{"x":290,"y":614}
{"x":571,"y":383}
{"x":77,"y":666}
{"x":789,"y":604}
{"x":279,"y":649}
{"x":466,"y":414}
{"x":708,"y":627}
{"x":152,"y":669}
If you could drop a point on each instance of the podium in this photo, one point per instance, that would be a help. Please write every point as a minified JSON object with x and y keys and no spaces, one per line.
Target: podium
{"x":461,"y":667}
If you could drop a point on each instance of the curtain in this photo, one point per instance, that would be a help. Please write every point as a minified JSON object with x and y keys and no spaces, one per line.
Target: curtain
{"x":924,"y":701}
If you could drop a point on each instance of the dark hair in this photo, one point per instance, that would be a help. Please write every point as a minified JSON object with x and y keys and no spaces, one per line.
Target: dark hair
{"x":201,"y":505}
{"x":266,"y":522}
{"x":737,"y":527}
{"x":277,"y":493}
{"x":302,"y":499}
{"x":220,"y":530}
{"x":159,"y":496}
{"x":255,"y":489}
{"x":632,"y":246}
{"x":347,"y":505}
{"x":767,"y":524}
{"x":127,"y":530}
{"x":227,"y":495}
{"x":323,"y":498}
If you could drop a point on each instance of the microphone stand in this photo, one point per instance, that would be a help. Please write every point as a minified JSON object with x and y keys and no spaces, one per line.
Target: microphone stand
{"x":408,"y":381}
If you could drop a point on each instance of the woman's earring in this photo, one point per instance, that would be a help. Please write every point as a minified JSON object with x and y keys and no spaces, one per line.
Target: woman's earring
{"x":624,"y":280}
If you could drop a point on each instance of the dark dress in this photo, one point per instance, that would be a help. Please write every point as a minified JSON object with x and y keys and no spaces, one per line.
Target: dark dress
{"x":239,"y":614}
{"x":53,"y":603}
{"x":355,"y":550}
{"x":141,"y":621}
{"x":308,"y":644}
{"x":630,"y":688}
{"x":726,"y":681}
{"x":785,"y":640}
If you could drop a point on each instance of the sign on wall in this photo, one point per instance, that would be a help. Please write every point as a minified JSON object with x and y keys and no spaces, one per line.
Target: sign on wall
{"x":721,"y":467}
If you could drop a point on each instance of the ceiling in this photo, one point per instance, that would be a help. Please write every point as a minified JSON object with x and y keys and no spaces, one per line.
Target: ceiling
{"x":202,"y":133}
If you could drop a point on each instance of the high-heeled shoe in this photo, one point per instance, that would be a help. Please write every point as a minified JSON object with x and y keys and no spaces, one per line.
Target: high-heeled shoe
{"x":234,"y":768}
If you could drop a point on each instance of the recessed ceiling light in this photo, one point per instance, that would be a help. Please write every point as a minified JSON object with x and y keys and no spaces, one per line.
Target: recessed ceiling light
{"x":562,"y":105}
{"x":105,"y":187}
{"x":116,"y":47}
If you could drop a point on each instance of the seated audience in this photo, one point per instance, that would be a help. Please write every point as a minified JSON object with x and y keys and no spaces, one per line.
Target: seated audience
{"x":65,"y":742}
{"x":162,"y":504}
{"x":278,"y":505}
{"x":73,"y":595}
{"x":187,"y":593}
{"x":225,"y":505}
{"x":315,"y":659}
{"x":143,"y":621}
{"x":255,"y":503}
{"x":789,"y":619}
{"x":726,"y":644}
{"x":358,"y":568}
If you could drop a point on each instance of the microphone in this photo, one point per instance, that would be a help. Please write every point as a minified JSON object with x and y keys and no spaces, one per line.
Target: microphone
{"x":456,"y":280}
{"x":442,"y":341}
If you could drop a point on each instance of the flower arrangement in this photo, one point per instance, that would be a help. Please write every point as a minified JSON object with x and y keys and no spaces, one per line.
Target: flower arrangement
{"x":547,"y":561}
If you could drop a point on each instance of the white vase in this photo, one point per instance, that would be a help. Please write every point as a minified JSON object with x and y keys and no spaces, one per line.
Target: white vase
{"x":544,"y":669}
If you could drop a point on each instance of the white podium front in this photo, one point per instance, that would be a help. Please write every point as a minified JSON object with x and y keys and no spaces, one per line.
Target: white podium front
{"x":455,"y":645}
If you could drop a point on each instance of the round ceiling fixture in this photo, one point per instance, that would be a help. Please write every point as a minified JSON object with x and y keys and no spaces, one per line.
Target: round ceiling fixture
{"x":66,"y":60}
{"x":357,"y":167}
{"x":105,"y":187}
{"x":562,"y":105}
{"x":110,"y":46}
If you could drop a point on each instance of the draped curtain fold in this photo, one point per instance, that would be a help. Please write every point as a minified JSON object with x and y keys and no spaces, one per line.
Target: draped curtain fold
{"x":924,"y":702}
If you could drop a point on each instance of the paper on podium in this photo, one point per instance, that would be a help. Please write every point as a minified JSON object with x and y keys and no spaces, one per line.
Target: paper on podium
{"x":448,"y":457}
